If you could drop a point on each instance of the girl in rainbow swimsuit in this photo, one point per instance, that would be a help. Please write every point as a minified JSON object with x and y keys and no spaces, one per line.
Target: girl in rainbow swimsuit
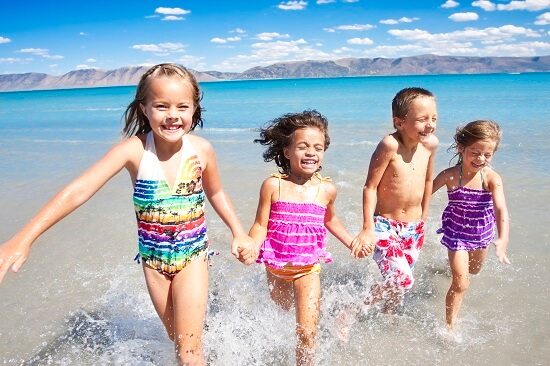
{"x":172,"y":172}
{"x":295,"y":209}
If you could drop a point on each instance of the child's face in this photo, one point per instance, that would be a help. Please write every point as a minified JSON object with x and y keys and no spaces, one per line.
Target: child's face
{"x":306,"y":151}
{"x":477,"y":155}
{"x":169,"y":108}
{"x":420,"y":121}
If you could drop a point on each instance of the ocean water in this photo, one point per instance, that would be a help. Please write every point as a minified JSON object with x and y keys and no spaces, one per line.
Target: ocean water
{"x":81,"y":300}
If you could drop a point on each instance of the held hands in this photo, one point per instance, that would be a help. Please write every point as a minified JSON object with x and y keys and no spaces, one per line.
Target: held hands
{"x":363,"y":245}
{"x":500,"y":250}
{"x":12,"y":254}
{"x":244,"y":249}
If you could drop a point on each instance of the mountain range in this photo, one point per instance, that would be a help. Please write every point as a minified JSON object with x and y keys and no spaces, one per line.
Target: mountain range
{"x":347,"y":67}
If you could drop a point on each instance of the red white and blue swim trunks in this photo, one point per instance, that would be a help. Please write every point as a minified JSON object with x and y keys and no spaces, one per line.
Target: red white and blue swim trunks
{"x":398,"y":245}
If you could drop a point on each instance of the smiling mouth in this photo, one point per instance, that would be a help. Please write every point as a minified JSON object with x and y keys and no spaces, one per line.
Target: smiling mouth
{"x":172,"y":127}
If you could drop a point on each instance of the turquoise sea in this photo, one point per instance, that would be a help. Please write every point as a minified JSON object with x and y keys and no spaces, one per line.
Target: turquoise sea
{"x":81,"y":300}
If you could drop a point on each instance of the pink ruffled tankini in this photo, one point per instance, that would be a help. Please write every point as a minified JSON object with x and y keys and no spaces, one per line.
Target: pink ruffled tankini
{"x":296,"y":233}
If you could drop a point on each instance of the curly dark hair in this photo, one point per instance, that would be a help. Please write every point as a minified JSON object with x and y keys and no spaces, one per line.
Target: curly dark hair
{"x":136,"y":122}
{"x":475,"y":131}
{"x":278,"y":134}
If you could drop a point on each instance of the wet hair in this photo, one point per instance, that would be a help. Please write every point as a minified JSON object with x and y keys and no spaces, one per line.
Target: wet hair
{"x":475,"y":131}
{"x":402,"y":100}
{"x":135,"y":121}
{"x":278,"y":134}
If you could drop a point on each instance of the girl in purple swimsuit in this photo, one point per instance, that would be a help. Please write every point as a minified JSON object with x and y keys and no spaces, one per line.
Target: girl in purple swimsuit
{"x":476,"y":209}
{"x":295,"y":209}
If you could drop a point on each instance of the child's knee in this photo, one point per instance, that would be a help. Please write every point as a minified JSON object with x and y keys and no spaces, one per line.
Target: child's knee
{"x":460,"y":283}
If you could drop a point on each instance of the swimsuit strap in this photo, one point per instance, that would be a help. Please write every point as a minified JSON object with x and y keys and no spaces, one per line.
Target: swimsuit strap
{"x":317,"y":174}
{"x":325,"y":179}
{"x":280,"y":176}
{"x":460,"y":177}
{"x":483,"y":180}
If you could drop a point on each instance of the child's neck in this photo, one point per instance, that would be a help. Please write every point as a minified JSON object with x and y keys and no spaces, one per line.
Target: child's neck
{"x":300,"y":178}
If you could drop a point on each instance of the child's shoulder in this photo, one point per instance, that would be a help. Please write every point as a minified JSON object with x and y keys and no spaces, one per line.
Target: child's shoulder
{"x":492,"y":178}
{"x":271,"y":183}
{"x":199,"y":142}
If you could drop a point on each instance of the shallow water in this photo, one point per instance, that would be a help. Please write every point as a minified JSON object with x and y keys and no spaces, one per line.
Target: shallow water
{"x":80,"y":299}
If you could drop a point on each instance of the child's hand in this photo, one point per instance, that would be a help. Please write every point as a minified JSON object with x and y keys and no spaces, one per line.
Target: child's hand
{"x":244,"y":249}
{"x":363,"y":244}
{"x":500,"y":250}
{"x":12,"y":254}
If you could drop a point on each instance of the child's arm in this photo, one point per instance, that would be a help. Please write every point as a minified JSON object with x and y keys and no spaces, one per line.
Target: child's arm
{"x":258,"y":231}
{"x":242,"y":246}
{"x":440,"y":181}
{"x":16,"y":250}
{"x":333,"y":223}
{"x":378,"y":163}
{"x":501,"y":215}
{"x":428,"y":187}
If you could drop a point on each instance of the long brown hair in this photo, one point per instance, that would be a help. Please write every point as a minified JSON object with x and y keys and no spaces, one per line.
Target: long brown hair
{"x":136,"y":122}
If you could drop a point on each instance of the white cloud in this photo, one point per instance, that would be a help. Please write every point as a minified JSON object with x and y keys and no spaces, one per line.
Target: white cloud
{"x":450,"y":4}
{"x":543,"y":19}
{"x":221,"y":40}
{"x":238,"y":30}
{"x":160,"y":48}
{"x":9,"y":60}
{"x":85,"y":67}
{"x":267,"y":36}
{"x":172,"y":11}
{"x":82,"y":34}
{"x":172,"y":17}
{"x":325,"y":1}
{"x":485,"y":5}
{"x":355,"y":27}
{"x":91,"y":60}
{"x":4,"y":40}
{"x":53,"y":57}
{"x":293,"y":5}
{"x":401,"y":20}
{"x":361,"y":41}
{"x":218,"y":40}
{"x":34,"y":51}
{"x":266,"y":53}
{"x":463,"y":17}
{"x":530,"y":5}
{"x":506,"y":32}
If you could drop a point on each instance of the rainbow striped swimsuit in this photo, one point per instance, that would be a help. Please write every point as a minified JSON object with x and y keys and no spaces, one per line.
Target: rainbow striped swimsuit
{"x":171,"y":223}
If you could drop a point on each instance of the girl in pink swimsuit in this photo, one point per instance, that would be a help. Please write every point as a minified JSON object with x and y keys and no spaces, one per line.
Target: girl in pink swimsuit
{"x":295,"y":209}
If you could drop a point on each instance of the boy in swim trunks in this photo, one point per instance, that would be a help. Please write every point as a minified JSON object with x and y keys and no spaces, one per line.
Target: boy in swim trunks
{"x":396,"y":195}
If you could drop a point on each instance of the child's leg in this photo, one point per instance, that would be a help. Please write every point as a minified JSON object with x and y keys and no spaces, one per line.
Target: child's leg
{"x":307,"y":292}
{"x":459,"y":261}
{"x":181,"y":305}
{"x":160,"y":291}
{"x":477,"y":258}
{"x":190,"y":297}
{"x":280,"y":291}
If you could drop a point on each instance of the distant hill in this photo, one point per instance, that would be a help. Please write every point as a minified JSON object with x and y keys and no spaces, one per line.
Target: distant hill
{"x":417,"y":65}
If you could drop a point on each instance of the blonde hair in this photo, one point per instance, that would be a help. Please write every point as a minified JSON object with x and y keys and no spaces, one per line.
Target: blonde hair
{"x":475,"y":131}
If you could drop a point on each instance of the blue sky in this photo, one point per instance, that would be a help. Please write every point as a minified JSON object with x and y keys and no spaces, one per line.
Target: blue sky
{"x":55,"y":37}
